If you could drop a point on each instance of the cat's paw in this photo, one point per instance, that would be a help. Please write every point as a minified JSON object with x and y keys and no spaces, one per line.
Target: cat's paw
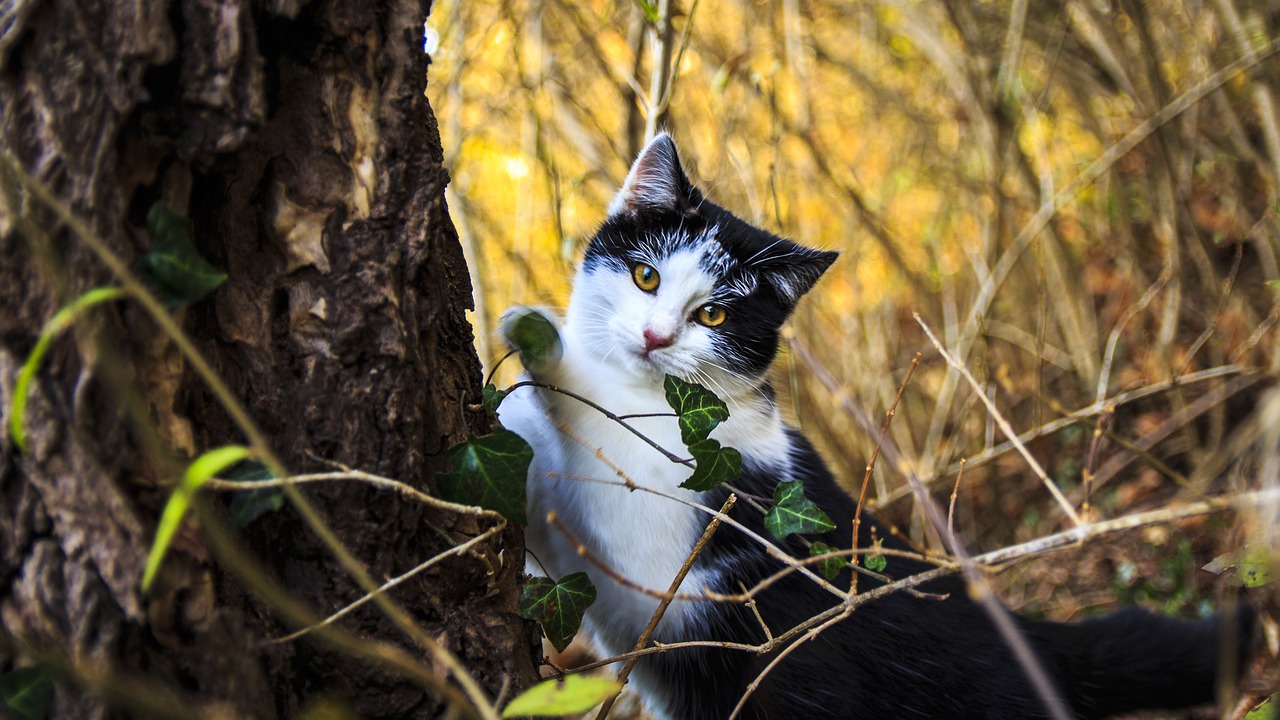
{"x":534,"y":333}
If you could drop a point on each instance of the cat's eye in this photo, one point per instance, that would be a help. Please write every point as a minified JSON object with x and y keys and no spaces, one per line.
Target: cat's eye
{"x":646,"y":277}
{"x":710,"y":315}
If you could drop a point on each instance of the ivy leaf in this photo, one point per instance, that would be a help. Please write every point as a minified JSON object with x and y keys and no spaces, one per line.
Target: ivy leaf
{"x":489,"y":471}
{"x":876,"y":562}
{"x":198,"y":473}
{"x":536,"y":337}
{"x":794,"y":513}
{"x":26,"y":693}
{"x":554,"y":698}
{"x":557,"y":605}
{"x":492,"y":398}
{"x":699,"y":409}
{"x":713,"y":465}
{"x":830,"y":567}
{"x":249,"y":505}
{"x":174,"y":268}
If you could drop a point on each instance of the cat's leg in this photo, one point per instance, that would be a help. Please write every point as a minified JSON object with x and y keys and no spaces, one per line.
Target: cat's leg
{"x":535,"y":333}
{"x":530,"y":413}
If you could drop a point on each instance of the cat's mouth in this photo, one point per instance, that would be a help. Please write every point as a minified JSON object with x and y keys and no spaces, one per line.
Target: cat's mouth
{"x":654,"y":362}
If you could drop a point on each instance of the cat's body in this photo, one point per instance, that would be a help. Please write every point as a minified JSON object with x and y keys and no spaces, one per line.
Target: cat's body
{"x":673,"y":284}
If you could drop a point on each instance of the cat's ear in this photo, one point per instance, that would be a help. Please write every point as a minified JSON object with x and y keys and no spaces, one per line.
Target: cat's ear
{"x":793,"y":269}
{"x":656,"y":182}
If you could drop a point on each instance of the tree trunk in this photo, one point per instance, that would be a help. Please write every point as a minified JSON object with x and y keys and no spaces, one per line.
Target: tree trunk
{"x":297,"y":139}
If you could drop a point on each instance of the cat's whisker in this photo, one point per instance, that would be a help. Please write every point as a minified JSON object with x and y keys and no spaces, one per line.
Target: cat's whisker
{"x":728,"y":397}
{"x":747,"y":384}
{"x":766,"y":249}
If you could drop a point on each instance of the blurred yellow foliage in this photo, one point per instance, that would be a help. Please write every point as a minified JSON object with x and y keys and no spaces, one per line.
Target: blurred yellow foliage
{"x":931,"y":141}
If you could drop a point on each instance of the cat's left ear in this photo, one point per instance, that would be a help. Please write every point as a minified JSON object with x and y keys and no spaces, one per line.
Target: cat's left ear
{"x":793,"y":269}
{"x":656,"y":182}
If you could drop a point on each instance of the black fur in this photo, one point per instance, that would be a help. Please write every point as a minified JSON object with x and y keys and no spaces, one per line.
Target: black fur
{"x":905,"y":656}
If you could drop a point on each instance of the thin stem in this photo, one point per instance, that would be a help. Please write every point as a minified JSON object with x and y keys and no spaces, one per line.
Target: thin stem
{"x":661,"y":77}
{"x":607,"y":413}
{"x":871,"y":465}
{"x":666,"y":601}
{"x":1005,"y":427}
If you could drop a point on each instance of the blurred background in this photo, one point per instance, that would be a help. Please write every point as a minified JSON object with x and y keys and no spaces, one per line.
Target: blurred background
{"x":1077,"y":197}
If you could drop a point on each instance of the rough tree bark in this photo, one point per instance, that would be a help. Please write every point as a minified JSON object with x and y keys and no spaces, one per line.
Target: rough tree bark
{"x":296,"y":137}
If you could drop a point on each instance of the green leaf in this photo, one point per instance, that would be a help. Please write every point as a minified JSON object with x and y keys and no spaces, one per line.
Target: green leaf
{"x":1268,"y":710}
{"x":489,"y":471}
{"x":1254,"y":569}
{"x":553,"y":698}
{"x":1273,"y":284}
{"x":699,"y":409}
{"x":649,"y":10}
{"x":794,"y":513}
{"x":713,"y":465}
{"x":60,"y":321}
{"x":492,"y":398}
{"x":876,"y":562}
{"x":249,"y":505}
{"x":198,"y":473}
{"x":830,"y":567}
{"x":26,"y":693}
{"x":1249,"y":566}
{"x":558,"y":606}
{"x":535,"y":337}
{"x":174,"y":268}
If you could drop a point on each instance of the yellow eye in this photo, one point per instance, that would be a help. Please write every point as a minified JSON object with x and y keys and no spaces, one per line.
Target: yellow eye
{"x":646,"y":277}
{"x":711,"y":315}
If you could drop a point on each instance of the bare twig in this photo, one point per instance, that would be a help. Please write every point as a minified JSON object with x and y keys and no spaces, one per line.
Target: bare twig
{"x":951,"y":507}
{"x":1263,"y":101}
{"x":1005,"y":427}
{"x":808,"y":635}
{"x":355,"y":475}
{"x":1072,"y":538}
{"x":607,"y":413}
{"x":390,"y":657}
{"x":1050,"y":206}
{"x":666,"y":601}
{"x":871,"y":465}
{"x":772,"y":550}
{"x":1104,"y":375}
{"x":393,"y":582}
{"x":662,"y":70}
{"x":1211,"y":399}
{"x":1091,"y":461}
{"x":1077,"y":416}
{"x":1012,"y":46}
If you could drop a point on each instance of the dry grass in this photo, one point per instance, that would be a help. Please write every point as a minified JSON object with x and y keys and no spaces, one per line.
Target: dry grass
{"x":1078,"y":198}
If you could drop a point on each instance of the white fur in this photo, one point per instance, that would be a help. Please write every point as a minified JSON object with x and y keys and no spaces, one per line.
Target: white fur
{"x":580,"y":454}
{"x":649,"y":183}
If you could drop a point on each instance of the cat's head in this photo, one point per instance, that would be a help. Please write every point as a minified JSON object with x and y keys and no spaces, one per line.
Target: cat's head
{"x":673,"y":283}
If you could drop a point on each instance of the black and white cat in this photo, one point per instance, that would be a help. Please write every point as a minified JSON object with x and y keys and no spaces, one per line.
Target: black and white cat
{"x":674,"y":284}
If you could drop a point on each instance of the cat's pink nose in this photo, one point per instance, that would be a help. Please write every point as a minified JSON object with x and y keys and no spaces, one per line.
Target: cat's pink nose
{"x":654,"y":341}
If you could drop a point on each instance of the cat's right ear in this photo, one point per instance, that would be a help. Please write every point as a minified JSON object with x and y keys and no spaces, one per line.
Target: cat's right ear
{"x":656,"y":182}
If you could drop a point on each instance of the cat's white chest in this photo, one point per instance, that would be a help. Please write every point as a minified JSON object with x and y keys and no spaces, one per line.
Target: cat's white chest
{"x":614,"y":493}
